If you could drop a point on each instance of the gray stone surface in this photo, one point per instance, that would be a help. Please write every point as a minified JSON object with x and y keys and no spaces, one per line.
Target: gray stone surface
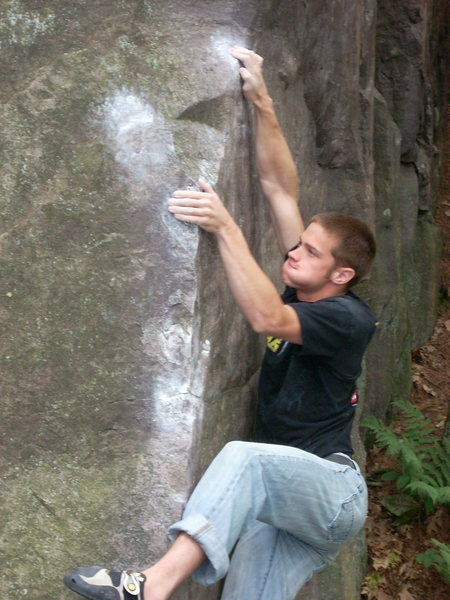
{"x":125,"y":364}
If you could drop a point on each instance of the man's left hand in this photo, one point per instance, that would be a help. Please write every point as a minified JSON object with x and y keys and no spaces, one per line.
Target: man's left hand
{"x":204,"y":208}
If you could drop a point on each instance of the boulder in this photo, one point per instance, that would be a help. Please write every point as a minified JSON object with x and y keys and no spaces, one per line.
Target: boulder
{"x":125,"y":363}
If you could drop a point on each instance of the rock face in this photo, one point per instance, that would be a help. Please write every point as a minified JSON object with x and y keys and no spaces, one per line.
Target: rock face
{"x":125,"y":364}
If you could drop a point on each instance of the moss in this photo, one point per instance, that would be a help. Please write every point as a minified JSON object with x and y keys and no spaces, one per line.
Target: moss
{"x":23,"y":27}
{"x":88,"y":160}
{"x":68,"y":513}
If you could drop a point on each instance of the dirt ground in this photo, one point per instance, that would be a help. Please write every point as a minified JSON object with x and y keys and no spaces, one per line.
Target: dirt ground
{"x":393,"y":573}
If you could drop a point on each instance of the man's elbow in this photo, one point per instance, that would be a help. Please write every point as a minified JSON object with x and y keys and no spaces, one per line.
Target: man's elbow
{"x":265,"y":325}
{"x":260,"y":327}
{"x":271,"y":187}
{"x":286,"y":327}
{"x":259,"y":322}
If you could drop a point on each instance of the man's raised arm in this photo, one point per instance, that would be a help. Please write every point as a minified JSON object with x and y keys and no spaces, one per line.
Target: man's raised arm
{"x":276,"y":167}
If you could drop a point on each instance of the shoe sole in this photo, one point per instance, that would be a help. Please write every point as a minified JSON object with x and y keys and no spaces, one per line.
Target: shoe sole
{"x":76,"y":584}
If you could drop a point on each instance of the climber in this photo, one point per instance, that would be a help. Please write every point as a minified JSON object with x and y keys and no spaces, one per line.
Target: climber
{"x":281,"y":507}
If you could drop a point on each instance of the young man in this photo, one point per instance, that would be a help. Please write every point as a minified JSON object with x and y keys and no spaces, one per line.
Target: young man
{"x":287,"y":502}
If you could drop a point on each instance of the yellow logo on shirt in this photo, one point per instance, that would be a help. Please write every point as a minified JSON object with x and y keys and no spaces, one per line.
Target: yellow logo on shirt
{"x":274,"y":343}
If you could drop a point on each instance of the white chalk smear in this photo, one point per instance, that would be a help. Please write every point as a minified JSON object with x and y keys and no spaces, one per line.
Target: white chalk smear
{"x":143,"y":146}
{"x":221,"y":45}
{"x":142,"y":142}
{"x":178,"y":389}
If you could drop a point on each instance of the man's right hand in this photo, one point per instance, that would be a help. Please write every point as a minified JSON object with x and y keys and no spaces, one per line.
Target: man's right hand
{"x":253,"y":85}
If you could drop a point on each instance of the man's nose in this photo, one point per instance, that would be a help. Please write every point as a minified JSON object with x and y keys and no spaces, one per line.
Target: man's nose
{"x":294,"y":253}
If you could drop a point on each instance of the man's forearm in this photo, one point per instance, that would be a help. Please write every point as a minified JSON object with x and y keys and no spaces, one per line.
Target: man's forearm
{"x":276,"y":167}
{"x":277,"y":174}
{"x":254,"y":293}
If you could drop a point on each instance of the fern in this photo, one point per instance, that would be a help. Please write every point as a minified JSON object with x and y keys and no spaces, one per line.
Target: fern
{"x":438,"y":557}
{"x":422,"y":460}
{"x":422,"y":475}
{"x":384,"y":434}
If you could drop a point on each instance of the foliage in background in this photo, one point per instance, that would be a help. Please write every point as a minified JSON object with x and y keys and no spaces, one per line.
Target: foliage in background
{"x":438,"y":557}
{"x":421,"y":474}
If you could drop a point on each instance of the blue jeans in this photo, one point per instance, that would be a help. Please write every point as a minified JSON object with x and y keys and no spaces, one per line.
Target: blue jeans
{"x":288,"y":510}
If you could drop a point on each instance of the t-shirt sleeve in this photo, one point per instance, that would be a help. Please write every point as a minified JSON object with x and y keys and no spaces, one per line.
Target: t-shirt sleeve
{"x":326,"y":326}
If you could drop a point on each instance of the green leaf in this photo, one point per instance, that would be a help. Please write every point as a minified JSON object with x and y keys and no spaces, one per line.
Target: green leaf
{"x":422,"y":462}
{"x":400,"y":504}
{"x":403,"y":480}
{"x":438,"y":558}
{"x":389,"y":476}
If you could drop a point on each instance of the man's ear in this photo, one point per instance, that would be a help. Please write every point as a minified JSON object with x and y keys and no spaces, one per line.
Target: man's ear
{"x":342,"y":275}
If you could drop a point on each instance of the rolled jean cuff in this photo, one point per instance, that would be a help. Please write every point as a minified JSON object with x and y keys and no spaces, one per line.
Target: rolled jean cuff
{"x":205,"y":534}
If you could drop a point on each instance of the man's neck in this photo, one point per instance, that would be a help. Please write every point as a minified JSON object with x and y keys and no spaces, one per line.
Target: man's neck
{"x":314,"y":296}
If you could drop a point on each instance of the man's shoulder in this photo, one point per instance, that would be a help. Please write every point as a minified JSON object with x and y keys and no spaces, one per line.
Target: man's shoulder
{"x":362,"y":316}
{"x":348,"y":301}
{"x":352,"y":300}
{"x":347,"y":309}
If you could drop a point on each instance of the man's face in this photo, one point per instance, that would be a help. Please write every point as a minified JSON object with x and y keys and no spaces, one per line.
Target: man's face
{"x":309,"y":265}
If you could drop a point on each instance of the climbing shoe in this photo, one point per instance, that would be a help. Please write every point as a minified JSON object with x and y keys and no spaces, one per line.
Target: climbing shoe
{"x":96,"y":583}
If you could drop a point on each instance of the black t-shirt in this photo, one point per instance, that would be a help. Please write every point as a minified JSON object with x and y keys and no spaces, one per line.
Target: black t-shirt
{"x":306,"y":392}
